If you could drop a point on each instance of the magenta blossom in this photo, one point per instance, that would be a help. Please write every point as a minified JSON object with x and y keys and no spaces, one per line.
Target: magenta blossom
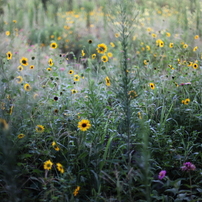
{"x":188,"y":166}
{"x":162,"y":174}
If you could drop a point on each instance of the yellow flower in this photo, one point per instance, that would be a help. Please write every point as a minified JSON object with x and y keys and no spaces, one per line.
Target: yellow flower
{"x":76,"y":191}
{"x":19,"y":79}
{"x":20,"y":136}
{"x":49,"y":69}
{"x":104,"y":58}
{"x":40,"y":128}
{"x":102,"y":48}
{"x":109,"y":54}
{"x":8,"y":33}
{"x":93,"y":56}
{"x":152,"y":86}
{"x":195,"y":48}
{"x":168,"y":34}
{"x":71,"y":71}
{"x":159,"y":43}
{"x":31,"y":67}
{"x":82,"y":53}
{"x":196,"y":36}
{"x":117,"y":35}
{"x":9,"y":55}
{"x":27,"y":87}
{"x":154,"y":35}
{"x":76,"y":77}
{"x":60,"y":167}
{"x":139,"y":115}
{"x":3,"y":124}
{"x":50,"y":62}
{"x":84,"y":125}
{"x":74,"y":91}
{"x":186,"y":101}
{"x":185,"y":46}
{"x":53,"y":45}
{"x":112,"y":44}
{"x":47,"y":165}
{"x":107,"y":81}
{"x":14,"y":21}
{"x":148,"y":48}
{"x":171,"y":45}
{"x":55,"y":146}
{"x":24,"y":61}
{"x":195,"y":65}
{"x":20,"y":68}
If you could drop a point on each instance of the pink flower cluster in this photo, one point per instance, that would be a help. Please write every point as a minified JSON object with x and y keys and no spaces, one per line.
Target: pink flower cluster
{"x":188,"y":166}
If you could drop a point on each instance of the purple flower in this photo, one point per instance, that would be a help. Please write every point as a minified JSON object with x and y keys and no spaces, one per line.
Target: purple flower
{"x":162,"y":174}
{"x":188,"y":166}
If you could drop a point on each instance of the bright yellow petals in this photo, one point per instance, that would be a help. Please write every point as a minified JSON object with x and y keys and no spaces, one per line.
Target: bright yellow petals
{"x":107,"y":81}
{"x":50,"y":62}
{"x":84,"y":125}
{"x":27,"y":87}
{"x":55,"y":146}
{"x":93,"y":56}
{"x":152,"y":86}
{"x":104,"y":58}
{"x":47,"y":165}
{"x":24,"y":61}
{"x":40,"y":128}
{"x":171,"y":45}
{"x":185,"y":46}
{"x":76,"y":191}
{"x":20,"y":68}
{"x":53,"y":45}
{"x":19,"y":79}
{"x":195,"y":48}
{"x":76,"y":77}
{"x":20,"y":136}
{"x":101,"y":48}
{"x":9,"y":55}
{"x":60,"y":167}
{"x":74,"y":91}
{"x":195,"y":65}
{"x":7,"y":33}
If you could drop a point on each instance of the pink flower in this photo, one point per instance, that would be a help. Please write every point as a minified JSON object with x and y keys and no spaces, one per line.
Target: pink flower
{"x":188,"y":166}
{"x":162,"y":174}
{"x":62,"y":69}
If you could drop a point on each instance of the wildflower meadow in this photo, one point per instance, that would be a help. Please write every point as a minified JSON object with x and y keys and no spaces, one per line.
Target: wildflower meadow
{"x":101,"y":101}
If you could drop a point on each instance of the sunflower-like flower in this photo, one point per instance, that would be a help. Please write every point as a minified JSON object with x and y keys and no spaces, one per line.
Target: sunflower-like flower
{"x":40,"y":128}
{"x":9,"y":55}
{"x":24,"y":61}
{"x":107,"y":81}
{"x":101,"y":48}
{"x":76,"y":77}
{"x":47,"y":165}
{"x":55,"y":146}
{"x":152,"y":86}
{"x":3,"y":124}
{"x":27,"y":87}
{"x":53,"y":45}
{"x":195,"y":65}
{"x":104,"y":58}
{"x":84,"y":125}
{"x":60,"y":167}
{"x":76,"y":191}
{"x":19,"y":79}
{"x":71,"y":71}
{"x":50,"y":62}
{"x":20,"y":136}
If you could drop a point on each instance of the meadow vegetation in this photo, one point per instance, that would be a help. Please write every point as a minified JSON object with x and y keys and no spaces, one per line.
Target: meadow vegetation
{"x":100,"y":101}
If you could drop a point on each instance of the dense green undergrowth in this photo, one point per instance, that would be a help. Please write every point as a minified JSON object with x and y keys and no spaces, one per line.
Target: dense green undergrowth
{"x":101,"y":103}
